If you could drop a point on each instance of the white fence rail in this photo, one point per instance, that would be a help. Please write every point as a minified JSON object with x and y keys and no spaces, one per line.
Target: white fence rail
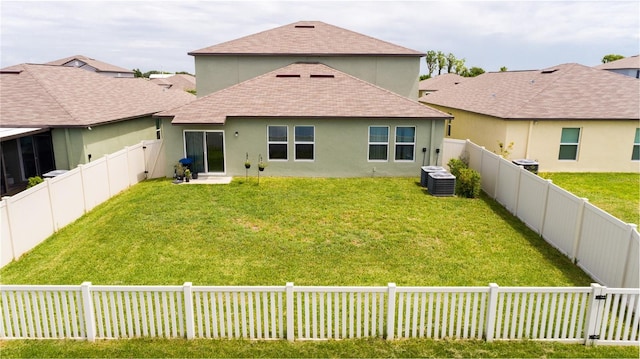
{"x":63,"y":199}
{"x":586,"y":315}
{"x":602,"y":245}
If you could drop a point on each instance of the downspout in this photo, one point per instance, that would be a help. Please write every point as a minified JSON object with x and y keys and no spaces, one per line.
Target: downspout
{"x":529,"y":135}
{"x":431,"y":145}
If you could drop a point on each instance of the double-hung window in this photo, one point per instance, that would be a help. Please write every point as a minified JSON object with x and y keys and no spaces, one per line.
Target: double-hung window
{"x":378,"y":143}
{"x":405,"y":143}
{"x":569,"y":144}
{"x":635,"y":154}
{"x":304,"y":142}
{"x":277,"y":142}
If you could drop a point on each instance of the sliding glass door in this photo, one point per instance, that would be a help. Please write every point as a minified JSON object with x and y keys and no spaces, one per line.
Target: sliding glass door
{"x":206,"y":149}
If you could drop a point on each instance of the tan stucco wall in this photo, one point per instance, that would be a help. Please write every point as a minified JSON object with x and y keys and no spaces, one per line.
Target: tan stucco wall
{"x":72,"y":146}
{"x":398,"y":74}
{"x":341,"y":147}
{"x":605,"y":146}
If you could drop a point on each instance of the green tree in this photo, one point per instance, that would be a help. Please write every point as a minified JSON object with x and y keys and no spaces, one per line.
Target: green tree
{"x":451,"y":62}
{"x":611,"y":57}
{"x":503,"y":69}
{"x":137,"y":73}
{"x":473,"y":72}
{"x":432,"y":61}
{"x":424,"y":77}
{"x":442,"y":61}
{"x":459,"y":66}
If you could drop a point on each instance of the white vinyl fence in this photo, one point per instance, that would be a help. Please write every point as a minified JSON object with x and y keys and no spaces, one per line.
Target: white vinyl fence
{"x":63,"y":199}
{"x":603,"y":246}
{"x":589,"y":315}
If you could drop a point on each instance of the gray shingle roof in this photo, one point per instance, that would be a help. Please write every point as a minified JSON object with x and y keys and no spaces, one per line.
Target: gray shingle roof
{"x":301,"y":90}
{"x":567,"y":91}
{"x":59,"y":96}
{"x":97,"y":64}
{"x":440,"y":82}
{"x":631,"y":62}
{"x":307,"y":38}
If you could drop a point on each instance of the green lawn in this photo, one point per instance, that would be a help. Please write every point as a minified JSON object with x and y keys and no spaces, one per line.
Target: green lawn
{"x":309,"y":231}
{"x":616,"y":193}
{"x":367,"y":231}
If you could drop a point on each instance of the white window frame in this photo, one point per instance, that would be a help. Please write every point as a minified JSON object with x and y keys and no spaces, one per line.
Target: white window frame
{"x":369,"y":143}
{"x":269,"y":143}
{"x":577,"y":144}
{"x":296,"y":142}
{"x":412,"y":144}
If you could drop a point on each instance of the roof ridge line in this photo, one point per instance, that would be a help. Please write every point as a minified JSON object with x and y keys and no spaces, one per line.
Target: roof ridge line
{"x":46,"y":88}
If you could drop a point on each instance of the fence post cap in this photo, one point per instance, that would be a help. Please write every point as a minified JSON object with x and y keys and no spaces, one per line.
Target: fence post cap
{"x":596,"y":285}
{"x":289,"y":284}
{"x":493,"y":285}
{"x":391,"y":284}
{"x":86,"y":284}
{"x":187,"y":284}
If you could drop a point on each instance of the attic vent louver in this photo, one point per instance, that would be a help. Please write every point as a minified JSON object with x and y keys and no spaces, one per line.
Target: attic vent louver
{"x":322,"y":76}
{"x":290,"y":75}
{"x":549,"y":71}
{"x":305,"y":27}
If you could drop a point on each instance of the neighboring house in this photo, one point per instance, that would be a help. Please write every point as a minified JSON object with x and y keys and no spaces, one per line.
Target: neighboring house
{"x":182,"y":82}
{"x":569,"y":117}
{"x":313,"y":100}
{"x":629,"y":66}
{"x":57,"y":117}
{"x":439,"y":82}
{"x":89,"y":64}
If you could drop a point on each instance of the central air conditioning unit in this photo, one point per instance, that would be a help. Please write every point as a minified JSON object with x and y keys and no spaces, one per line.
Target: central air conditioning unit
{"x":424,"y":173}
{"x":441,"y":184}
{"x":529,"y":165}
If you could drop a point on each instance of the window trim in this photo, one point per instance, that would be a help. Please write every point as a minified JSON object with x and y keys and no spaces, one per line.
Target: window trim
{"x":269,"y":143}
{"x":396,"y":143}
{"x":369,"y":143}
{"x":636,"y":146}
{"x":577,"y":144}
{"x":296,"y":142}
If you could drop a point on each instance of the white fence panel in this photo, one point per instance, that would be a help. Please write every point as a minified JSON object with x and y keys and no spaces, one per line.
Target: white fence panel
{"x":441,"y":312}
{"x":136,"y":163}
{"x":508,"y":184}
{"x":239,"y":312}
{"x":95,"y":176}
{"x":67,"y":199}
{"x":6,"y":244}
{"x":452,"y":149}
{"x":603,"y":246}
{"x":154,"y":158}
{"x":138,"y":311}
{"x":118,"y":169}
{"x":621,"y":313}
{"x":532,"y":200}
{"x":541,"y":313}
{"x":339,"y":312}
{"x":31,"y":218}
{"x":562,"y":219}
{"x":41,"y":312}
{"x":632,"y":273}
{"x":490,"y":166}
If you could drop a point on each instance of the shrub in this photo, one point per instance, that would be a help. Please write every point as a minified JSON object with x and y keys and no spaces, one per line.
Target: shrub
{"x":455,"y":165}
{"x":34,"y":181}
{"x":468,"y":183}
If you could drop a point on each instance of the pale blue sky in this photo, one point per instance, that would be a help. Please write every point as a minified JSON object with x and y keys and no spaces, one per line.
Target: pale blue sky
{"x":156,"y":35}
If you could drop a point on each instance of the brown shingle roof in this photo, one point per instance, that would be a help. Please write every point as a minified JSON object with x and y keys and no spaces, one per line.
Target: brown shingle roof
{"x":59,"y":96}
{"x":631,"y":62}
{"x":440,"y":82}
{"x":568,"y":91}
{"x":301,"y":90}
{"x":96,"y":64}
{"x":177,"y":82}
{"x":307,"y":38}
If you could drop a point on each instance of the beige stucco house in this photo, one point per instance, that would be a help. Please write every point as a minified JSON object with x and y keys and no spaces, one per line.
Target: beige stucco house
{"x":628,"y":66}
{"x":57,"y":117}
{"x":569,"y":118}
{"x":310,"y":99}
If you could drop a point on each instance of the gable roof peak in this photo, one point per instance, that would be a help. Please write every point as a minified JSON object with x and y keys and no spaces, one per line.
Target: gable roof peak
{"x":307,"y":38}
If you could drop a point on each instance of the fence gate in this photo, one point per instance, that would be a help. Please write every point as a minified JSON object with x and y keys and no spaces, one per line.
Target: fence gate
{"x":614,"y":319}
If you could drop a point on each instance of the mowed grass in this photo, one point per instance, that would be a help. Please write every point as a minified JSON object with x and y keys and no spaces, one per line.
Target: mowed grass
{"x":616,"y":193}
{"x":365,"y":231}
